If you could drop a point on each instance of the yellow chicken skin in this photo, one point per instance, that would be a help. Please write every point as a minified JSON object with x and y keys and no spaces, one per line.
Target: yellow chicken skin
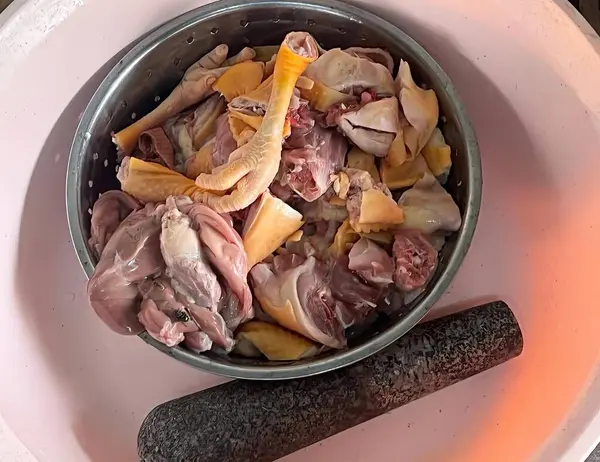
{"x":438,"y":153}
{"x":274,"y":342}
{"x":239,"y":79}
{"x":420,"y":108}
{"x":260,"y":237}
{"x":152,"y":182}
{"x":370,"y":205}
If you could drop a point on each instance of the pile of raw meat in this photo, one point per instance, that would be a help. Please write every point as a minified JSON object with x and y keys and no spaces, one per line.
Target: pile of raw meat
{"x":274,"y":199}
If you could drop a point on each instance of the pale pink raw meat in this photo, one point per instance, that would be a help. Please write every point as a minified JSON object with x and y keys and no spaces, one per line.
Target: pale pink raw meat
{"x":187,"y":263}
{"x":309,"y":159}
{"x":350,"y":74}
{"x":415,"y":259}
{"x":158,"y":325}
{"x":299,"y":114}
{"x":373,"y":127}
{"x":371,"y":262}
{"x":109,"y":211}
{"x":131,"y":255}
{"x":213,"y":325}
{"x":225,"y":251}
{"x":360,"y":181}
{"x":225,"y":144}
{"x":302,"y":282}
{"x":169,"y":318}
{"x":164,"y":317}
{"x":198,"y":341}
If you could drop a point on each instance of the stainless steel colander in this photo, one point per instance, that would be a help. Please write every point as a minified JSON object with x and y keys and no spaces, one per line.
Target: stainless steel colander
{"x":155,"y":65}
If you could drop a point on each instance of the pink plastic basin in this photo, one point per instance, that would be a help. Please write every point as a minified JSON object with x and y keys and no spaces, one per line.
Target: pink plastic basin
{"x":70,"y":390}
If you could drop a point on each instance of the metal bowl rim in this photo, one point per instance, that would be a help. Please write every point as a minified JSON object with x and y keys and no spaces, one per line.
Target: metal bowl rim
{"x":381,"y":340}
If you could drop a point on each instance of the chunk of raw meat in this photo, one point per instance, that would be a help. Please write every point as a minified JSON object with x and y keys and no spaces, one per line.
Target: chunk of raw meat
{"x":224,"y":248}
{"x":187,"y":265}
{"x":371,"y":262}
{"x":224,"y":142}
{"x":370,"y":205}
{"x":198,"y":341}
{"x":109,"y":211}
{"x":170,"y":318}
{"x":335,"y":111}
{"x":158,"y":325}
{"x":350,"y":74}
{"x":373,"y":127}
{"x":154,"y":146}
{"x":162,"y":315}
{"x":309,"y":159}
{"x":420,"y":109}
{"x":231,"y":311}
{"x":213,"y":325}
{"x":294,"y":292}
{"x":360,"y":181}
{"x":357,"y":298}
{"x":415,"y":259}
{"x":428,"y":207}
{"x":131,"y":255}
{"x":299,"y":115}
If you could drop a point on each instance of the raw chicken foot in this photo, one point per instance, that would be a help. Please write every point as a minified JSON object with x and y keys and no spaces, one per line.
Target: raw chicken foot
{"x":253,"y":166}
{"x":195,"y":85}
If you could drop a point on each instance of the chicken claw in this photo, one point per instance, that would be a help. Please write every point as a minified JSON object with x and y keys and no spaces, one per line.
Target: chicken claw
{"x":246,"y":54}
{"x":195,"y":85}
{"x":213,"y":59}
{"x":251,"y":173}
